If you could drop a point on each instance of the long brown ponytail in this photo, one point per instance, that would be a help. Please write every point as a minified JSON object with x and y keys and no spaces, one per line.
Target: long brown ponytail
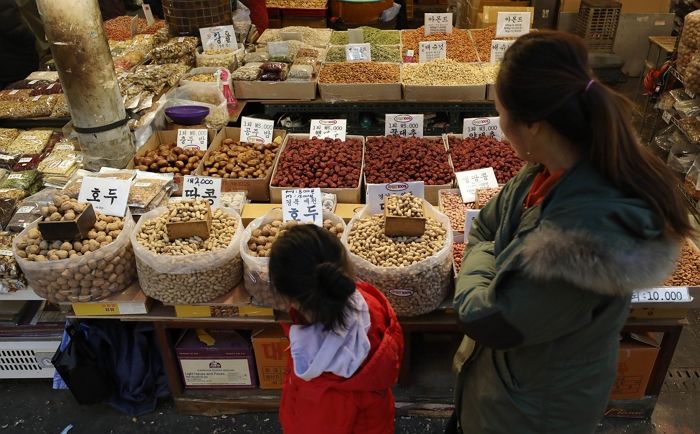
{"x":545,"y":76}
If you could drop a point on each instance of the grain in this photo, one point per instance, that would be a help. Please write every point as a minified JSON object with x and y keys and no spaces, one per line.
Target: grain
{"x":442,"y":72}
{"x":360,"y":72}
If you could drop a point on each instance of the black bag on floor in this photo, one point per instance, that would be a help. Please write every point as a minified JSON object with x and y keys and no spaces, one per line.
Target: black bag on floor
{"x":80,"y":369}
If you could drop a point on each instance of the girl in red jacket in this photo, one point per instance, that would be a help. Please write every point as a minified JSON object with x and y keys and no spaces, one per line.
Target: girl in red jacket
{"x":345,"y":341}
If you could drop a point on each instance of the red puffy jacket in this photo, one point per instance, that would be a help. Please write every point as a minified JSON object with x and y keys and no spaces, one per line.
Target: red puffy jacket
{"x":361,"y":404}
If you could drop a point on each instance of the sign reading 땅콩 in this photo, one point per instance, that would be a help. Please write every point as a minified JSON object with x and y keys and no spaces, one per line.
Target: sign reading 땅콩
{"x":471,"y":180}
{"x":202,"y":187}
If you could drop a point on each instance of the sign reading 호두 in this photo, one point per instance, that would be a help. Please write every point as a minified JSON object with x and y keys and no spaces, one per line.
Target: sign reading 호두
{"x":108,"y":196}
{"x":303,"y":205}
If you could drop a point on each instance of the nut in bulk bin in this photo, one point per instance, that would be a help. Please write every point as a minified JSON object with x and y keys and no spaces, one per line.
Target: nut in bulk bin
{"x":403,"y":216}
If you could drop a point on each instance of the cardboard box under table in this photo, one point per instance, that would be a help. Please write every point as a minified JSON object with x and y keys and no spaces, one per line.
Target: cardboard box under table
{"x":343,"y":195}
{"x":226,"y":363}
{"x":634,"y":366}
{"x":271,"y":348}
{"x":257,"y":189}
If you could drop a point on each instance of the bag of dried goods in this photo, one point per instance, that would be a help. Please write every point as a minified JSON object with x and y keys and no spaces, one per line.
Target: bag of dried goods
{"x":77,"y":271}
{"x":413,"y":272}
{"x":255,"y":250}
{"x":188,"y":270}
{"x":11,"y":277}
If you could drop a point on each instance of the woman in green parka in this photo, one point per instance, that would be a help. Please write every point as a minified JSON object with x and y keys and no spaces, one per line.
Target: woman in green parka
{"x":552,"y":261}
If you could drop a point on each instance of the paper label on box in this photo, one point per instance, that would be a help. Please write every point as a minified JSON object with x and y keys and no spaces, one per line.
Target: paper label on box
{"x":437,"y":23}
{"x":328,"y":129}
{"x":219,"y":372}
{"x":469,"y":220}
{"x":375,"y":194}
{"x":431,"y":50}
{"x":278,"y":49}
{"x":193,"y":138}
{"x":480,"y":127}
{"x":513,"y":24}
{"x":131,"y":308}
{"x":254,"y":130}
{"x":217,"y":38}
{"x":662,"y":295}
{"x":403,"y":125}
{"x":498,"y":49}
{"x":471,"y":180}
{"x":202,"y":187}
{"x":356,"y":36}
{"x":108,"y":196}
{"x":303,"y":205}
{"x":148,"y":14}
{"x":358,"y":53}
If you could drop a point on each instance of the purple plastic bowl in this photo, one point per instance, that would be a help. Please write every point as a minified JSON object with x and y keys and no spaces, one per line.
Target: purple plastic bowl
{"x":187,"y":114}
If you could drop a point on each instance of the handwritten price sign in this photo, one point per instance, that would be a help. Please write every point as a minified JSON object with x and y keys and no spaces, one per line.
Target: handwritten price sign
{"x":218,"y":38}
{"x":255,"y":130}
{"x":328,"y":128}
{"x":193,"y":138}
{"x":303,"y":205}
{"x":202,"y":187}
{"x":403,"y":125}
{"x":428,"y":51}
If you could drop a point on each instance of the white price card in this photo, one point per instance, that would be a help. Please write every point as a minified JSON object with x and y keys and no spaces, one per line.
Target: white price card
{"x":108,"y":196}
{"x":403,"y":125}
{"x":662,"y":295}
{"x":278,"y":49}
{"x":498,"y":49}
{"x":513,"y":24}
{"x":471,"y":180}
{"x":304,"y":205}
{"x":255,"y":130}
{"x":472,"y":214}
{"x":431,"y":50}
{"x":328,"y":128}
{"x":202,"y":187}
{"x":438,"y":23}
{"x":148,"y":14}
{"x":193,"y":138}
{"x":358,"y":53}
{"x":356,"y":36}
{"x":375,"y":194}
{"x":217,"y":38}
{"x":480,"y":127}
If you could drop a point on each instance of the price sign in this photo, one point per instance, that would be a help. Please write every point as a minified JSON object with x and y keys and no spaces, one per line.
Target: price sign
{"x":662,"y":295}
{"x":356,"y":36}
{"x":358,"y":53}
{"x":303,"y":205}
{"x":108,"y":196}
{"x":255,"y":130}
{"x":471,"y":180}
{"x":217,"y":38}
{"x":428,"y":51}
{"x":278,"y":49}
{"x":148,"y":14}
{"x":469,"y":220}
{"x":498,"y":49}
{"x":438,"y":23}
{"x":202,"y":187}
{"x":192,"y":138}
{"x":403,"y":125}
{"x":513,"y":24}
{"x":666,"y":116}
{"x":479,"y":127}
{"x":374,"y":197}
{"x":328,"y":128}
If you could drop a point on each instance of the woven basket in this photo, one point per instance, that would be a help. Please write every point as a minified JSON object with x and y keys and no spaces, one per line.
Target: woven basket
{"x":186,"y":17}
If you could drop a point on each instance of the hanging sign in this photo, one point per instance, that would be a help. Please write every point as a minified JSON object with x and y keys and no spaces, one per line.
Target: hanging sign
{"x":479,"y":127}
{"x":254,"y":130}
{"x":403,"y":125}
{"x":437,"y":23}
{"x":471,"y":180}
{"x":328,"y":129}
{"x":374,"y":197}
{"x":108,"y":196}
{"x":431,"y":50}
{"x":202,"y":187}
{"x":303,"y":205}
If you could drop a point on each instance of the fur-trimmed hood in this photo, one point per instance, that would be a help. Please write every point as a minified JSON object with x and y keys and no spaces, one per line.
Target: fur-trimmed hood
{"x":606,"y":265}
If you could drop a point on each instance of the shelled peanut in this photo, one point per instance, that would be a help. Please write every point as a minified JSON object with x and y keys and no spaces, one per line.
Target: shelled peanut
{"x":454,"y":208}
{"x":484,"y":195}
{"x":687,"y":271}
{"x":324,"y":163}
{"x":187,"y":211}
{"x":260,"y":242}
{"x":63,"y":209}
{"x":458,"y":255}
{"x":404,"y":205}
{"x":459,"y":44}
{"x":442,"y":72}
{"x":400,"y":159}
{"x":480,"y":152}
{"x":360,"y":72}
{"x":169,"y":158}
{"x":241,"y":160}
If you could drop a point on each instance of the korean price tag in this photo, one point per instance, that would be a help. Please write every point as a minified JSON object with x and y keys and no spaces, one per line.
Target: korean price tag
{"x":513,"y":24}
{"x":472,"y":214}
{"x":192,"y":138}
{"x":278,"y":49}
{"x":358,"y":53}
{"x":374,"y":197}
{"x":438,"y":23}
{"x":108,"y":196}
{"x":428,"y":51}
{"x":471,"y":180}
{"x":478,"y":127}
{"x":202,"y":187}
{"x":662,"y":295}
{"x":328,"y":129}
{"x":303,"y":205}
{"x":498,"y":49}
{"x":148,"y":14}
{"x":217,"y":38}
{"x":255,"y":130}
{"x":403,"y":125}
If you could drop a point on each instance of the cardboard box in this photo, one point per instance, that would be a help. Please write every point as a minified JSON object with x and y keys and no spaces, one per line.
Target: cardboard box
{"x":634,"y":367}
{"x":343,"y":195}
{"x":280,"y":90}
{"x":271,"y":349}
{"x":347,"y":211}
{"x":628,"y":6}
{"x":257,"y":189}
{"x":227,"y":364}
{"x":477,"y":6}
{"x":131,"y":301}
{"x":490,"y":13}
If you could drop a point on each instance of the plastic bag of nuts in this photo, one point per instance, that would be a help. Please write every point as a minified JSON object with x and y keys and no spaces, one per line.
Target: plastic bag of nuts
{"x":424,"y":281}
{"x":256,"y":277}
{"x":188,"y":278}
{"x":97,"y":274}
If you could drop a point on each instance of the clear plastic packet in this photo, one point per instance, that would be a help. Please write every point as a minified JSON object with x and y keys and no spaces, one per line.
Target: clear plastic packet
{"x":11,"y":276}
{"x":15,"y":194}
{"x":256,"y":56}
{"x":36,"y":107}
{"x":7,"y":136}
{"x":61,"y":109}
{"x":20,"y":180}
{"x":233,"y":200}
{"x":7,"y":209}
{"x":691,"y":183}
{"x":15,"y":94}
{"x":27,"y":213}
{"x":144,"y":190}
{"x":217,"y":58}
{"x":28,"y":142}
{"x":301,"y":72}
{"x":176,"y":50}
{"x":682,"y":156}
{"x":246,"y":73}
{"x":273,"y":71}
{"x":687,"y":108}
{"x":49,"y":89}
{"x":691,"y":128}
